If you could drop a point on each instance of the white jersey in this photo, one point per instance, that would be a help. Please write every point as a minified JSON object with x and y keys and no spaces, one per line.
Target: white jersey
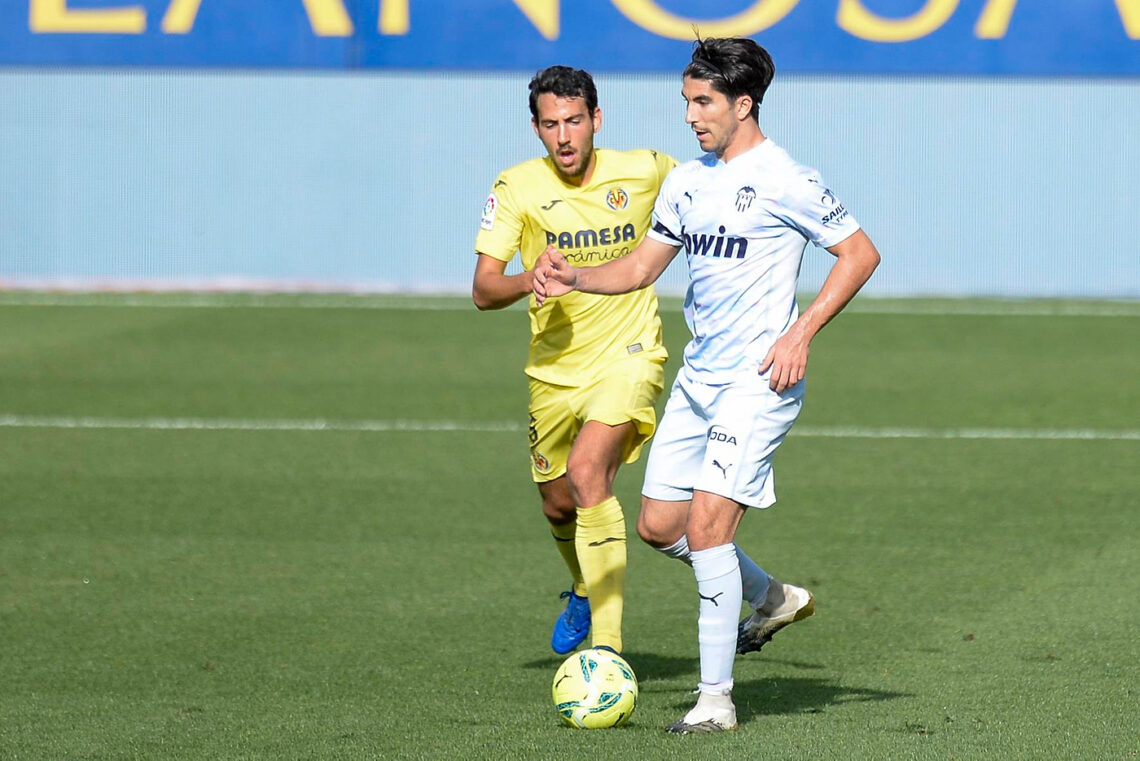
{"x":744,"y":225}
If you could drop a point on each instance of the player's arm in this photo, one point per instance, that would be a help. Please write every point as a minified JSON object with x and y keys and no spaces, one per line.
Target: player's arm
{"x":554,"y":276}
{"x":492,"y":288}
{"x":856,"y":258}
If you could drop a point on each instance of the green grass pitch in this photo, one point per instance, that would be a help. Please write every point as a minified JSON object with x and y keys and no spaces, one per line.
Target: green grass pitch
{"x":190,"y":568}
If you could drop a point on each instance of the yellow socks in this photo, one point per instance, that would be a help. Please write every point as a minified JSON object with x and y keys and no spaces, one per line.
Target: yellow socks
{"x":563,"y":534}
{"x":600,"y":543}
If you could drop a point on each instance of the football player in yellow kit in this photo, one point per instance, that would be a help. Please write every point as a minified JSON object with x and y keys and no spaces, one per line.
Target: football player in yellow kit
{"x":596,"y":363}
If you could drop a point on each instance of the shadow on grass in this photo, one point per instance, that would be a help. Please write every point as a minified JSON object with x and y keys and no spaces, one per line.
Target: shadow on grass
{"x":754,"y":698}
{"x":651,"y":667}
{"x":781,"y":696}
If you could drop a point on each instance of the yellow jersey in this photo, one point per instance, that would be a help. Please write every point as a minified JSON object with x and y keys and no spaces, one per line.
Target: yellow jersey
{"x":576,"y":336}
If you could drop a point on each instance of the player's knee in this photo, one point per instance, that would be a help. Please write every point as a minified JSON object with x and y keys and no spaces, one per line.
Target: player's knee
{"x":558,"y":512}
{"x":647,"y":531}
{"x":589,"y":484}
{"x":559,"y":507}
{"x":705,"y":534}
{"x":655,"y":530}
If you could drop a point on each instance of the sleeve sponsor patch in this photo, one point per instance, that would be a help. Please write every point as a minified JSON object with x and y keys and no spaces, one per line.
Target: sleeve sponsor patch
{"x":833,"y":210}
{"x":490,"y":207}
{"x":813,"y":209}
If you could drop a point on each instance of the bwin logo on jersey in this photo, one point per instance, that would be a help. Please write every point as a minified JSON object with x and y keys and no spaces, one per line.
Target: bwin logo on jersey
{"x":744,"y":198}
{"x":703,"y":244}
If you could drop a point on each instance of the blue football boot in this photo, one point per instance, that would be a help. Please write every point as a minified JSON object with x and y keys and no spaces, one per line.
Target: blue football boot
{"x":573,"y":625}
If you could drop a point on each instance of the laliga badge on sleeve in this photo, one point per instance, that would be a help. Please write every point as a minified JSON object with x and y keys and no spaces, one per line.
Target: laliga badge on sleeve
{"x":489,"y":208}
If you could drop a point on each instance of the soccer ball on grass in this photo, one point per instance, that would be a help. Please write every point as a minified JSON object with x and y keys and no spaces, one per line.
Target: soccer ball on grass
{"x":595,"y":689}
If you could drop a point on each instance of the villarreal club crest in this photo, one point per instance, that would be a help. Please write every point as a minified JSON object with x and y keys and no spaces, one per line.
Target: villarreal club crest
{"x":617,"y":199}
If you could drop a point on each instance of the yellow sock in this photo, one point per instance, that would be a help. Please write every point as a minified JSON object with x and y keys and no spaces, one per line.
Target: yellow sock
{"x":600,"y":542}
{"x":563,"y":534}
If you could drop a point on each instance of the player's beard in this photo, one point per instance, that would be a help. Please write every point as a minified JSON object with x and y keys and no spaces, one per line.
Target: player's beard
{"x":577,"y":170}
{"x":711,"y":142}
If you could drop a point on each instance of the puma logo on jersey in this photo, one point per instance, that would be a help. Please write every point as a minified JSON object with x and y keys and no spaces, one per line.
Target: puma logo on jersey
{"x":550,"y":205}
{"x":723,"y":469}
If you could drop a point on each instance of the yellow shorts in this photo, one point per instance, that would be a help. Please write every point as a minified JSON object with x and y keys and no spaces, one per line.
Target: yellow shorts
{"x":626,"y":391}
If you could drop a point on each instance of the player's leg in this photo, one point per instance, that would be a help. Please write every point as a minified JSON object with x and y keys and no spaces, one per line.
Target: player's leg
{"x":573,"y":624}
{"x":560,"y":511}
{"x":661,"y":525}
{"x":675,"y":462}
{"x":747,"y":422}
{"x":618,"y":416}
{"x":600,"y":541}
{"x":713,"y":520}
{"x":750,"y":423}
{"x":550,"y":435}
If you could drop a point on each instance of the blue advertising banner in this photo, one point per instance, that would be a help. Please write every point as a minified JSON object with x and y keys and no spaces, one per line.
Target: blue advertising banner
{"x":966,"y":37}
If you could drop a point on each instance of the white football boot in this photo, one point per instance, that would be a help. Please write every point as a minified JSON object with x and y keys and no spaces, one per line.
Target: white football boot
{"x":712,"y":713}
{"x":784,"y":605}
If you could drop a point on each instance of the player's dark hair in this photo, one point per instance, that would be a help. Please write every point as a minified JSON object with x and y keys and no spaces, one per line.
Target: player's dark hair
{"x":733,"y":66}
{"x":564,"y":82}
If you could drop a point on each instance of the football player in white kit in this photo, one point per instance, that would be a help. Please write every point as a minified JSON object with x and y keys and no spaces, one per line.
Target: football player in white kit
{"x":744,"y":213}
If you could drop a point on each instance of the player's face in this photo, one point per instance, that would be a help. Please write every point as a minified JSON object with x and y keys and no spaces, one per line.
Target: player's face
{"x":711,"y":115}
{"x":566,"y":127}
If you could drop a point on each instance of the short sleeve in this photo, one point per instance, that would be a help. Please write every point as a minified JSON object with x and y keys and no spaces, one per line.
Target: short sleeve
{"x":665,"y":226}
{"x":809,"y":206}
{"x":665,"y":164}
{"x":501,"y":225}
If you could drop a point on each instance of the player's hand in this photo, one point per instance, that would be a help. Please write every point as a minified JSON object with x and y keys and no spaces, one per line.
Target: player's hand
{"x":788,"y":360}
{"x":553,"y":275}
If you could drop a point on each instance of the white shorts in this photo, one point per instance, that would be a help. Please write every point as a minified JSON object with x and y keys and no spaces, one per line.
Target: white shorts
{"x":720,"y":439}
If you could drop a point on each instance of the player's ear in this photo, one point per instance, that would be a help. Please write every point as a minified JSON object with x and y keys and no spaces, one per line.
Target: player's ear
{"x":743,"y":107}
{"x":534,"y":123}
{"x":597,"y":119}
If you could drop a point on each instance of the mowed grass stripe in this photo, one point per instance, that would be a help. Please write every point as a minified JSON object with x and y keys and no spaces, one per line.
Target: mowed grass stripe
{"x":422,"y":426}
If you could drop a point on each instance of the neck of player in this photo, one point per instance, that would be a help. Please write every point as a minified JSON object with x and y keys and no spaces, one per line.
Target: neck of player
{"x":747,"y":136}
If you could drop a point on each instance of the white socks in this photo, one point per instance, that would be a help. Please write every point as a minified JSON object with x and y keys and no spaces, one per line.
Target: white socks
{"x":754,"y":580}
{"x":719,"y":586}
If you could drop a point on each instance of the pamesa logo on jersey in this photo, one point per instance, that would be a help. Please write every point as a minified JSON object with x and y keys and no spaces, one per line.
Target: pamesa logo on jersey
{"x":617,"y":199}
{"x":587,"y":238}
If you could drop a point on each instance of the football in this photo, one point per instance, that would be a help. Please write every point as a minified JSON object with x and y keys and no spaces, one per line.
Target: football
{"x":595,"y":689}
